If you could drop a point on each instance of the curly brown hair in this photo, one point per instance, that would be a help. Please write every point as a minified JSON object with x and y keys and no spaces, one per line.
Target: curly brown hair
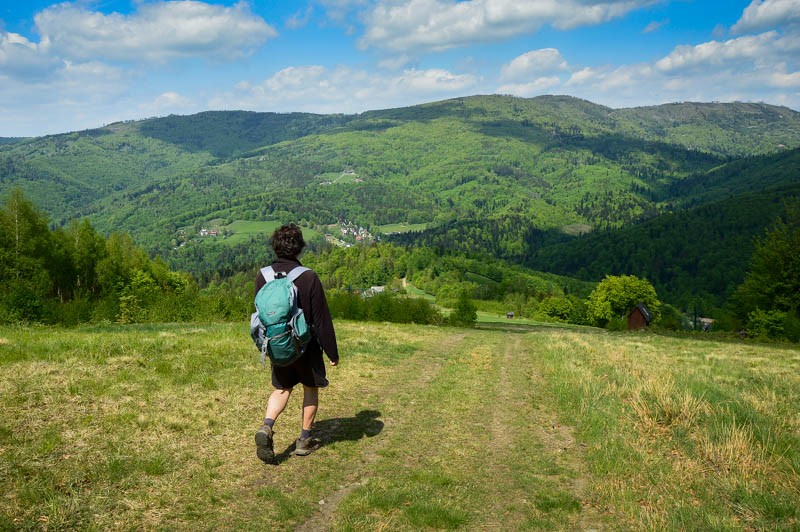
{"x":287,"y":241}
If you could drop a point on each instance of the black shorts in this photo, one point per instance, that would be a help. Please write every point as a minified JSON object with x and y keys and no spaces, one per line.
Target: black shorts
{"x":308,"y":370}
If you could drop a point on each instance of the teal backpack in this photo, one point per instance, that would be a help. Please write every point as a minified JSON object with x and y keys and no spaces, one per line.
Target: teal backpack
{"x":278,"y":326}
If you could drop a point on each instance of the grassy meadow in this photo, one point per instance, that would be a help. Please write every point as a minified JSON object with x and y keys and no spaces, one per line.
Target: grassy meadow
{"x":151,"y":427}
{"x":242,"y":230}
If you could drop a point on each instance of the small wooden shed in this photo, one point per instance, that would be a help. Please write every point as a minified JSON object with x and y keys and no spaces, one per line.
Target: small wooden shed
{"x":639,"y":318}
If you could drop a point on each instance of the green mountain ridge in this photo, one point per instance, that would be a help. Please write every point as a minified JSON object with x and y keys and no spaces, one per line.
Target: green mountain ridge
{"x":493,"y":173}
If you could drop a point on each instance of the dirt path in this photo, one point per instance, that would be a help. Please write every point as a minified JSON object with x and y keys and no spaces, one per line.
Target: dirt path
{"x":559,"y":442}
{"x":559,"y":465}
{"x":501,"y":443}
{"x":454,"y":414}
{"x":328,"y":506}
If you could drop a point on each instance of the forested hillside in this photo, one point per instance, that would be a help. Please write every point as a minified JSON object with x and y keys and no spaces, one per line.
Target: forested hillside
{"x":697,"y":253}
{"x":493,"y":175}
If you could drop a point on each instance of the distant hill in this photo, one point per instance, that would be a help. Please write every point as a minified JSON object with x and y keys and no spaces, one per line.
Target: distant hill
{"x":489,"y":174}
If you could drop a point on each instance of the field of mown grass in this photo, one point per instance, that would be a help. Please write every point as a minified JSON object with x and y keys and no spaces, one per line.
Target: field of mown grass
{"x":151,"y":427}
{"x":401,"y":228}
{"x":244,"y":229}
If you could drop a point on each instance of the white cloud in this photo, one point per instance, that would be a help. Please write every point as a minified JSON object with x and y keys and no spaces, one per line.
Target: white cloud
{"x":584,"y":76}
{"x":396,"y":62}
{"x":763,"y":14}
{"x":166,"y":103}
{"x":436,"y":25}
{"x":532,"y":88}
{"x":21,"y":58}
{"x":718,"y":52}
{"x":339,"y":10}
{"x":71,"y":97}
{"x":81,"y":72}
{"x":157,"y":32}
{"x":546,"y":60}
{"x":655,"y":26}
{"x":786,"y":80}
{"x":753,"y":68}
{"x":342,"y":89}
{"x":432,"y":81}
{"x":300,"y":19}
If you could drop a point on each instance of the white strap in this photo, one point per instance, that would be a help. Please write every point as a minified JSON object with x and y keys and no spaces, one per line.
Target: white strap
{"x":294,"y":273}
{"x":268,"y":273}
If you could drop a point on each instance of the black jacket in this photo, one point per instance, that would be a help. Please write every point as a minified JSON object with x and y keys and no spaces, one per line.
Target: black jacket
{"x":311,"y":298}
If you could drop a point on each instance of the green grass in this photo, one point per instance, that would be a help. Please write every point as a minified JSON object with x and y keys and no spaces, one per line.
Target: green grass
{"x":401,"y":228}
{"x":417,"y":292}
{"x":244,"y":229}
{"x":497,"y":428}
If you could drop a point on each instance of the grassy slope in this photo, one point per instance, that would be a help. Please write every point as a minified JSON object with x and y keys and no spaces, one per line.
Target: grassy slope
{"x":152,"y":426}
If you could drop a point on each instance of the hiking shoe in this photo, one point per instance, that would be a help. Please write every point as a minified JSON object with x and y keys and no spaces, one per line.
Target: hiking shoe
{"x":304,"y":447}
{"x":264,"y":444}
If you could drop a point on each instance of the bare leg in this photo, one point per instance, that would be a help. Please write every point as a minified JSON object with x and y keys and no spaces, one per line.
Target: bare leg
{"x":275,"y":405}
{"x":277,"y":402}
{"x":310,"y":404}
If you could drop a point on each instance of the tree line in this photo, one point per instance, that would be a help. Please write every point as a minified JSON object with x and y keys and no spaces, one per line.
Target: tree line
{"x":73,"y":274}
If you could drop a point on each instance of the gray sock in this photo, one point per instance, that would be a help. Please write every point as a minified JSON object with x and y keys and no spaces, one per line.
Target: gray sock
{"x":305,"y":434}
{"x":269,"y":422}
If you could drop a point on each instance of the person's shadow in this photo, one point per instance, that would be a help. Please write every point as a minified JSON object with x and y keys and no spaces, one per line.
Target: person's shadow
{"x":328,"y":431}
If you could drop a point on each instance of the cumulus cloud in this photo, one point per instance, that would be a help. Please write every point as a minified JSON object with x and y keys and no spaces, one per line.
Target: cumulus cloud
{"x":72,"y":96}
{"x":436,"y":25}
{"x":169,"y":102}
{"x":85,"y":62}
{"x":718,"y":52}
{"x":532,"y":88}
{"x":22,"y":59}
{"x":751,"y":68}
{"x":319,"y":89}
{"x":763,"y":14}
{"x":535,"y":62}
{"x":157,"y":32}
{"x":785,"y":80}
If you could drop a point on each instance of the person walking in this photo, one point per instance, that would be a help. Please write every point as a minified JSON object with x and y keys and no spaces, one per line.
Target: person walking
{"x":309,"y":370}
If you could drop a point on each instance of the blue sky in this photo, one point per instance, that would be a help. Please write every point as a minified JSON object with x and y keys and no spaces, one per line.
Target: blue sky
{"x":81,"y":64}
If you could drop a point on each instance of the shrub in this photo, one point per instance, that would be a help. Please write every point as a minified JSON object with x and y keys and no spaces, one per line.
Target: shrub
{"x":555,"y":308}
{"x":465,"y":314}
{"x":766,"y":324}
{"x":671,"y":319}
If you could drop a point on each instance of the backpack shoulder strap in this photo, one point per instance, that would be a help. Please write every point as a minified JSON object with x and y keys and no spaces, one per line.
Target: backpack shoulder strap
{"x":268,"y":273}
{"x":296,"y":272}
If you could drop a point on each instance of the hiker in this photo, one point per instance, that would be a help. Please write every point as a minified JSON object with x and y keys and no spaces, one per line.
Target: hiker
{"x":308,"y":370}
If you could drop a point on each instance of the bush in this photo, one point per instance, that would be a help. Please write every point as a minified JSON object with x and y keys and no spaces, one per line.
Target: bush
{"x":617,"y":323}
{"x":465,"y":314}
{"x":555,"y":308}
{"x":791,"y":327}
{"x":671,"y":319}
{"x":766,"y":324}
{"x":383,"y":307}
